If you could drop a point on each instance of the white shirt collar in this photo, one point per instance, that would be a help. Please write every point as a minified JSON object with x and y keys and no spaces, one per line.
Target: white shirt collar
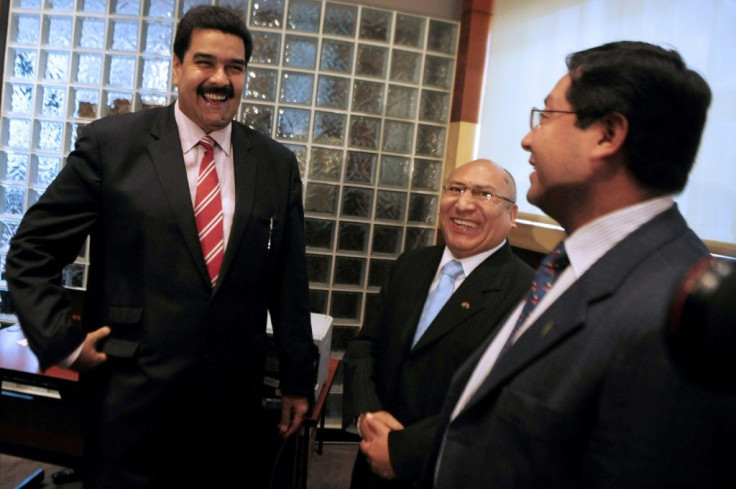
{"x":190,"y":133}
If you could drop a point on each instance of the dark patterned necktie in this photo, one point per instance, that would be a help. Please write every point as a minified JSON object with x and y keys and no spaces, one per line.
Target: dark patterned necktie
{"x":547,"y":273}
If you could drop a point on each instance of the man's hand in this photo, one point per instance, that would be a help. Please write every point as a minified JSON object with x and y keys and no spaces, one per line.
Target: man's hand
{"x":90,"y":357}
{"x":375,"y":428}
{"x":293,"y":410}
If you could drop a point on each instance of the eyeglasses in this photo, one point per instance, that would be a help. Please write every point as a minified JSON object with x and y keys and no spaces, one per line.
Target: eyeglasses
{"x":455,"y":190}
{"x":536,"y":115}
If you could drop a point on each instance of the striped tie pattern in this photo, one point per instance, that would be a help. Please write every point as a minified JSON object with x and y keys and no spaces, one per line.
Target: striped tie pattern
{"x":208,"y":210}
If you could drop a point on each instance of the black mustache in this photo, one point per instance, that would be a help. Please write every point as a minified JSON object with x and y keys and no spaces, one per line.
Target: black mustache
{"x":227,"y":91}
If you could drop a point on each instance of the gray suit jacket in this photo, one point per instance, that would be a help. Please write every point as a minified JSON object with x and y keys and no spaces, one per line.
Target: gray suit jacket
{"x":383,"y":372}
{"x":588,"y":396}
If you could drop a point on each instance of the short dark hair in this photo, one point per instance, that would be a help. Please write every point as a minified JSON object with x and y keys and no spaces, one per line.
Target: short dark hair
{"x":665,"y":104}
{"x":225,"y":19}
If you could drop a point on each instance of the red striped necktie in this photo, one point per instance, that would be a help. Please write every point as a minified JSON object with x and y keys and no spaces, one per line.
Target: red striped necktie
{"x":208,"y":211}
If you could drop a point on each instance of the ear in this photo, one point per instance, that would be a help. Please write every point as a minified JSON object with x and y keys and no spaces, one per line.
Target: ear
{"x":513,"y":213}
{"x":614,"y":128}
{"x":175,"y":69}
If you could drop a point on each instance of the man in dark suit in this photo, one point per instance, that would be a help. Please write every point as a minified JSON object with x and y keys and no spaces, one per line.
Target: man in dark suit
{"x":584,"y":393}
{"x":395,"y":377}
{"x":171,"y":344}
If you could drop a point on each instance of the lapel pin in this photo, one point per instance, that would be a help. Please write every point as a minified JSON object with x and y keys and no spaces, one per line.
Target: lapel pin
{"x":547,"y":328}
{"x":465,"y":305}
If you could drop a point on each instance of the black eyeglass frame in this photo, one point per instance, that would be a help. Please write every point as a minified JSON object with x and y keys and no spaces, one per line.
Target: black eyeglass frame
{"x":535,"y":110}
{"x":488,"y":195}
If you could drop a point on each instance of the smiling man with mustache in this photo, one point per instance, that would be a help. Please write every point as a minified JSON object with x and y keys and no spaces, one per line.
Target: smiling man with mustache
{"x":172,"y":342}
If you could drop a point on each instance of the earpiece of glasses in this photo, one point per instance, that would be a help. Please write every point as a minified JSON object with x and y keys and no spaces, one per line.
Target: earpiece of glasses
{"x":455,"y":190}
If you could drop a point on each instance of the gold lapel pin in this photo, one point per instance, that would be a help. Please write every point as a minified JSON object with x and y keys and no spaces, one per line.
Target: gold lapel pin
{"x":547,"y":328}
{"x":465,"y":305}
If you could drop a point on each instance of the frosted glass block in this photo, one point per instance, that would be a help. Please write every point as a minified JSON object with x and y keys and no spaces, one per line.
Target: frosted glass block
{"x":333,"y":91}
{"x":258,"y":117}
{"x":350,"y":271}
{"x":379,"y":270}
{"x":160,"y":8}
{"x":266,"y":48}
{"x":390,"y":206}
{"x":19,"y":133}
{"x":321,"y":198}
{"x":353,"y":236}
{"x":118,"y":103}
{"x":319,"y":233}
{"x":427,"y":174}
{"x":293,"y":125}
{"x":24,"y":63}
{"x":89,"y":68}
{"x":405,"y":66}
{"x":364,"y":132}
{"x":8,"y":231}
{"x":267,"y":13}
{"x":336,"y":56}
{"x":442,"y":36}
{"x":394,"y":171}
{"x":72,"y":275}
{"x":401,"y":102}
{"x":329,"y":128}
{"x":430,"y":140}
{"x":325,"y":164}
{"x":304,"y":15}
{"x":49,"y":136}
{"x":346,"y":305}
{"x":375,"y":24}
{"x":57,"y":66}
{"x":318,"y":270}
{"x":121,"y":71}
{"x":340,"y":20}
{"x":438,"y":72}
{"x":91,"y":33}
{"x":25,"y":29}
{"x":371,"y":61}
{"x":435,"y":106}
{"x":53,"y":103}
{"x":124,"y":35}
{"x":97,"y":6}
{"x":33,"y":196}
{"x":361,"y":167}
{"x":14,"y":167}
{"x":419,"y":238}
{"x":387,"y":239}
{"x":58,"y":31}
{"x":300,"y":51}
{"x":60,"y":5}
{"x":398,"y":136}
{"x":45,"y":169}
{"x":296,"y":88}
{"x":86,"y":103}
{"x":11,"y":200}
{"x":423,"y":208}
{"x":159,"y":37}
{"x":357,"y":201}
{"x":126,"y":7}
{"x":28,"y":4}
{"x":21,"y":99}
{"x":301,"y":156}
{"x":368,"y":97}
{"x":151,"y":100}
{"x":409,"y":30}
{"x":155,"y":74}
{"x":75,"y":130}
{"x":260,"y":84}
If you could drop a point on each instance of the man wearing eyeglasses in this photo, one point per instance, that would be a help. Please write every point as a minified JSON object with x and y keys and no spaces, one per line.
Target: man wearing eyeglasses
{"x":582,"y":392}
{"x":400,"y":364}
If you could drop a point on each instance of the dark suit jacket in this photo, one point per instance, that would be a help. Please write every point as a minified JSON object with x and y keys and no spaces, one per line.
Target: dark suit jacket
{"x":182,"y":356}
{"x":383,"y":372}
{"x":588,"y":396}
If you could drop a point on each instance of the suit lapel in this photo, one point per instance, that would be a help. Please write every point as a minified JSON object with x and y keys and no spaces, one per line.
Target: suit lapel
{"x":172,"y":176}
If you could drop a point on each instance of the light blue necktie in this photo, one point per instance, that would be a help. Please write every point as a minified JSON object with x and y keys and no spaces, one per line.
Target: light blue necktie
{"x":450,"y":271}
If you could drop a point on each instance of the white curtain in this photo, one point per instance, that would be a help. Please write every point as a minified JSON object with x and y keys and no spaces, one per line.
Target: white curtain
{"x":528,"y":45}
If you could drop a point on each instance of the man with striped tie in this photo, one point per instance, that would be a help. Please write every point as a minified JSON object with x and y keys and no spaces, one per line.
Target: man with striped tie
{"x":196,"y":232}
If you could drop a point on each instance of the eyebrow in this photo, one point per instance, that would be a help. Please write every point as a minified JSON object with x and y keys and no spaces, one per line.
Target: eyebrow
{"x":207,"y":56}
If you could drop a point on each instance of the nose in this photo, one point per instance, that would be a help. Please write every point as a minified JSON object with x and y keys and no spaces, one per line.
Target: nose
{"x":219,"y":76}
{"x":466,"y":200}
{"x":526,"y":142}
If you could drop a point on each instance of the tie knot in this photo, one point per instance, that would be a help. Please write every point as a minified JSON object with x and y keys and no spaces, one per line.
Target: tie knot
{"x":207,"y":143}
{"x":557,"y":258}
{"x":452,"y":269}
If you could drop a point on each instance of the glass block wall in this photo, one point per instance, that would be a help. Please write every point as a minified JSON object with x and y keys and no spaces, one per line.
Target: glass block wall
{"x":360,"y":94}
